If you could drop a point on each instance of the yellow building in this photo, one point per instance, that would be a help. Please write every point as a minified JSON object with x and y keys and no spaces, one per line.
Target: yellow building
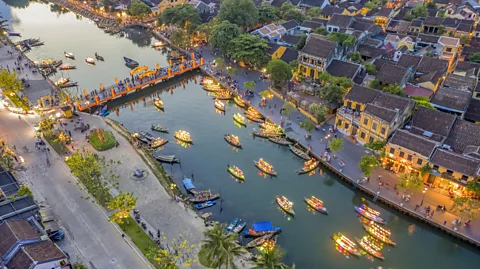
{"x":163,"y":4}
{"x":449,"y":49}
{"x":316,"y":55}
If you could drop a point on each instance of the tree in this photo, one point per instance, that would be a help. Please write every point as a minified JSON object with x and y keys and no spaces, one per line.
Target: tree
{"x":219,"y":62}
{"x":425,"y":170}
{"x":467,"y":207}
{"x":232,"y":71}
{"x":336,"y":144}
{"x":223,"y":34}
{"x":375,"y":145}
{"x":10,"y":82}
{"x":249,"y":85}
{"x":220,"y":248}
{"x":268,"y":14}
{"x":250,"y":49}
{"x":324,"y":78}
{"x":410,"y":182}
{"x":314,"y":12}
{"x":308,"y":125}
{"x":180,"y":39}
{"x":293,"y":65}
{"x":441,"y":30}
{"x":178,"y":253}
{"x":420,"y":11}
{"x":332,"y":93}
{"x":343,"y":82}
{"x":441,"y":13}
{"x":123,"y":203}
{"x":375,"y":84}
{"x":367,"y":163}
{"x":393,"y":89}
{"x":465,"y":39}
{"x":355,"y":56}
{"x":409,"y":17}
{"x":270,"y":259}
{"x":286,"y":6}
{"x":243,"y":13}
{"x":301,"y":42}
{"x":474,"y":57}
{"x":321,"y":31}
{"x":138,"y":9}
{"x":6,"y":160}
{"x":279,"y":71}
{"x":294,"y":14}
{"x":370,"y":5}
{"x":24,"y":190}
{"x":422,"y":101}
{"x":319,"y":111}
{"x":371,"y":69}
{"x":287,"y":110}
{"x":343,"y":39}
{"x":181,"y":15}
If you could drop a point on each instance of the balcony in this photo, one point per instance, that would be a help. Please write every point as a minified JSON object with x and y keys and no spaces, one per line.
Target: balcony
{"x":317,"y":67}
{"x":350,"y":114}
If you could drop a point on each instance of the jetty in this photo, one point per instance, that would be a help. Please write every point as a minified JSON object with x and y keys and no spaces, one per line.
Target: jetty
{"x":140,"y":77}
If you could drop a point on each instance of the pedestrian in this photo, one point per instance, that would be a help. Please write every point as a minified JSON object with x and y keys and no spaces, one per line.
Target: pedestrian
{"x":416,"y":207}
{"x":444,"y":222}
{"x":395,"y":188}
{"x":379,"y":177}
{"x":69,"y":133}
{"x":431,"y":214}
{"x":368,"y":179}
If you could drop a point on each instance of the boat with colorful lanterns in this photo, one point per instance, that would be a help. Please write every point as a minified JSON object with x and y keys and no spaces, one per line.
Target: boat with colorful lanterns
{"x":369,"y":214}
{"x":204,"y":196}
{"x":62,"y":81}
{"x":158,"y":103}
{"x":90,"y":60}
{"x":219,"y":105}
{"x":239,"y":118}
{"x":239,"y":101}
{"x":379,"y":233}
{"x":160,"y":128}
{"x":316,"y":204}
{"x":236,"y":172}
{"x":279,"y":140}
{"x":223,"y":94}
{"x":346,"y":244}
{"x":300,"y":152}
{"x":370,"y":247}
{"x":183,"y":136}
{"x":285,"y":204}
{"x":67,"y":67}
{"x":157,"y":45}
{"x":233,"y":140}
{"x":158,"y":142}
{"x":309,"y":166}
{"x":265,"y":167}
{"x":259,"y":241}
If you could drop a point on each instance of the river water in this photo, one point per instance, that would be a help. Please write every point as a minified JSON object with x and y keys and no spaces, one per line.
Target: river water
{"x":305,"y":237}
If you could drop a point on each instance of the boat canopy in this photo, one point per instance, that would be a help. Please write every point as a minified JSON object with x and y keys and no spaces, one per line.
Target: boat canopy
{"x":188,"y":184}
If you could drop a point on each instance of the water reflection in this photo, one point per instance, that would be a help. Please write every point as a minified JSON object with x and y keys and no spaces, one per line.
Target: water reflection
{"x":20,"y":3}
{"x":59,"y":10}
{"x":139,"y":37}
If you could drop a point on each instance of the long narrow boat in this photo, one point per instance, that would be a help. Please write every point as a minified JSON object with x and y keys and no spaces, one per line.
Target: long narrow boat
{"x":257,"y":119}
{"x":183,"y":136}
{"x":204,"y":196}
{"x":219,"y":105}
{"x":360,"y":210}
{"x":99,"y":58}
{"x":370,"y":247}
{"x":263,"y":134}
{"x":309,"y":166}
{"x":279,"y":140}
{"x":90,"y":60}
{"x":379,"y":233}
{"x":231,"y":225}
{"x":370,"y":210}
{"x":159,"y":128}
{"x":148,"y":136}
{"x":166,"y":158}
{"x":236,"y":172}
{"x":316,"y":204}
{"x":240,"y":226}
{"x":188,"y":184}
{"x":69,"y":85}
{"x":259,"y":241}
{"x":346,"y":244}
{"x":67,"y":67}
{"x":212,"y":88}
{"x":141,"y":138}
{"x":239,"y":101}
{"x":130,"y":62}
{"x":223,"y":97}
{"x":205,"y":205}
{"x":299,"y":152}
{"x":69,"y":55}
{"x":239,"y":118}
{"x":158,"y":103}
{"x":262,"y":228}
{"x":233,"y":140}
{"x":158,"y":142}
{"x":265,"y":167}
{"x":285,"y":204}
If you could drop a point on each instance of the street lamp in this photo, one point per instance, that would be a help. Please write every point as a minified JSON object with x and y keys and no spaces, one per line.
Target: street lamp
{"x":423,"y":197}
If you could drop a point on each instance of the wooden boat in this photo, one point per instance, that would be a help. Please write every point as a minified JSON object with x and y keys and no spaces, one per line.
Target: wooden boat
{"x":233,"y":140}
{"x":90,"y":60}
{"x":223,"y":97}
{"x":167,"y":159}
{"x":379,"y":233}
{"x":265,"y":167}
{"x":309,"y":166}
{"x":204,"y":196}
{"x":158,"y":142}
{"x":130,"y":62}
{"x":279,"y":140}
{"x":37,"y":44}
{"x":239,"y":118}
{"x":219,"y":105}
{"x":346,"y":244}
{"x":14,"y":34}
{"x":370,"y":210}
{"x":239,"y":101}
{"x":62,"y":81}
{"x":236,"y":172}
{"x":69,"y":85}
{"x":316,"y":204}
{"x":263,"y":134}
{"x":141,"y":138}
{"x":148,"y":136}
{"x":69,"y":55}
{"x":159,"y":128}
{"x":299,"y":152}
{"x":157,"y":45}
{"x":370,"y":247}
{"x":67,"y":67}
{"x":285,"y":204}
{"x":360,"y":210}
{"x":183,"y":136}
{"x":58,"y":63}
{"x":262,"y":228}
{"x":99,"y":58}
{"x":158,"y":103}
{"x":231,"y":225}
{"x":205,"y":205}
{"x":187,"y":183}
{"x":259,"y":241}
{"x":257,"y":119}
{"x":240,"y":226}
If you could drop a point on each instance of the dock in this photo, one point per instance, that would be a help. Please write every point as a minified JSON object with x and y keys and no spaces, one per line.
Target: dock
{"x":140,"y":77}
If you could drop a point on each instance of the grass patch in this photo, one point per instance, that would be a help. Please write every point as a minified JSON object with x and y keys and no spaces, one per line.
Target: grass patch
{"x":102,"y":145}
{"x":141,"y":239}
{"x":58,"y":147}
{"x":18,"y":102}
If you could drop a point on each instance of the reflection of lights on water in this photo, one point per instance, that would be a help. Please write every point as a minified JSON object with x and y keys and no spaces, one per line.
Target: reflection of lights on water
{"x":411,"y":229}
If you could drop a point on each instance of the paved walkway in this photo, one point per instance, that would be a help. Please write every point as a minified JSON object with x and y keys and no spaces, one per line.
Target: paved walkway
{"x":350,"y":155}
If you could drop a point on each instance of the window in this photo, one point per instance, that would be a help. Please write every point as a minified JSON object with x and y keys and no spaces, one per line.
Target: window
{"x":339,"y":123}
{"x":402,"y":154}
{"x":370,"y":139}
{"x":374,"y":126}
{"x":362,"y":135}
{"x":435,"y":167}
{"x":419,"y":161}
{"x":464,"y":177}
{"x":392,"y":150}
{"x":383,"y":130}
{"x":448,"y":50}
{"x":346,"y":126}
{"x":450,"y":172}
{"x":409,"y":157}
{"x":365,"y":121}
{"x":349,"y":104}
{"x":357,"y":107}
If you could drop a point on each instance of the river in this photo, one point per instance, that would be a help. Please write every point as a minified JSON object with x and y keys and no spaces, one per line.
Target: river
{"x":305,"y":237}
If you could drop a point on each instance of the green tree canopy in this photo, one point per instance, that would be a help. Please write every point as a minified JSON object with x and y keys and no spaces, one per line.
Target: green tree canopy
{"x":9,"y":81}
{"x":220,"y":62}
{"x":393,"y":89}
{"x":279,"y":71}
{"x":422,"y":101}
{"x":270,"y":259}
{"x":181,"y":15}
{"x":314,"y":12}
{"x":321,"y":31}
{"x":375,"y":145}
{"x":122,"y":204}
{"x":287,"y":109}
{"x":355,"y":56}
{"x":268,"y":14}
{"x":336,"y":144}
{"x":319,"y":111}
{"x":294,"y":14}
{"x":138,"y":8}
{"x":474,"y":57}
{"x":308,"y":125}
{"x":410,"y":182}
{"x":420,"y":11}
{"x":223,"y":34}
{"x":249,"y":85}
{"x":219,"y":248}
{"x":332,"y":93}
{"x":286,"y":7}
{"x":371,"y":69}
{"x":250,"y":49}
{"x":301,"y":42}
{"x":343,"y":39}
{"x":367,"y":164}
{"x":243,"y":13}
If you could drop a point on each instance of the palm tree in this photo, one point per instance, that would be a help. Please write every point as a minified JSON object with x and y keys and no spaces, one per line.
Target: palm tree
{"x":220,"y":249}
{"x":271,"y":259}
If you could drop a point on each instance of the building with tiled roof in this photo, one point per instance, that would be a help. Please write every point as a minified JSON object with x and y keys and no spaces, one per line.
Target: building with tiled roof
{"x":398,"y":27}
{"x":368,"y":53}
{"x":473,"y":111}
{"x":393,"y":75}
{"x":271,"y":32}
{"x":467,"y":69}
{"x":339,"y":68}
{"x":434,"y":124}
{"x":416,"y":26}
{"x":316,"y":55}
{"x":328,"y":12}
{"x":405,"y":150}
{"x":451,"y":101}
{"x":338,"y":22}
{"x":461,"y":83}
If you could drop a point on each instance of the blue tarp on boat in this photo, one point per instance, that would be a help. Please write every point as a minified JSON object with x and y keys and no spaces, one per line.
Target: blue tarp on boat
{"x":188,"y":184}
{"x":262,"y":226}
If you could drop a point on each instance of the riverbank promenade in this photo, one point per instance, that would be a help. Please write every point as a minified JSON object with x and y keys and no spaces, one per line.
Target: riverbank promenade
{"x":351,"y":155}
{"x":136,"y":82}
